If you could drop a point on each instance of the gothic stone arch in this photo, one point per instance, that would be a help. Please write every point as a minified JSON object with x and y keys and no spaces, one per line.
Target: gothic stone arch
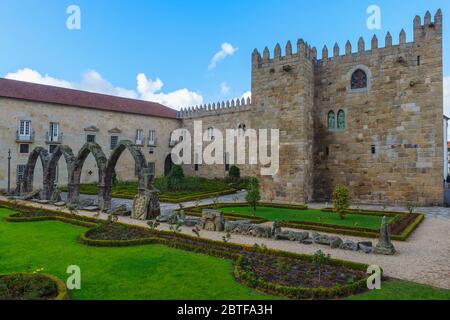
{"x":141,"y":165}
{"x":43,"y":154}
{"x":50,"y":173}
{"x":75,"y":175}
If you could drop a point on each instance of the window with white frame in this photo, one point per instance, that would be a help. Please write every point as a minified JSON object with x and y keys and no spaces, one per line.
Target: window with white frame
{"x":151,"y":137}
{"x":53,"y":134}
{"x":25,"y":129}
{"x":139,"y":137}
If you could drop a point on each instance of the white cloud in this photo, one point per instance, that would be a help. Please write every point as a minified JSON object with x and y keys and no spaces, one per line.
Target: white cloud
{"x":224,"y":88}
{"x":149,"y":90}
{"x":247,"y":94}
{"x":30,"y":75}
{"x":226,"y":50}
{"x":92,"y":81}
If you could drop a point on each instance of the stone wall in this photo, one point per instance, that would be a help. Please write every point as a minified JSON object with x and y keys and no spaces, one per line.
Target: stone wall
{"x":73,"y":121}
{"x":390,"y":151}
{"x":400,"y":116}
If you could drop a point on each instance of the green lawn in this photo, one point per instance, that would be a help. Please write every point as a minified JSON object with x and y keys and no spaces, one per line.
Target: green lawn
{"x":403,"y":290}
{"x":310,"y":215}
{"x":144,"y":272}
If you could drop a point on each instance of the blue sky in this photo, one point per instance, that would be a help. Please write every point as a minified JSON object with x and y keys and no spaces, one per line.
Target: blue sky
{"x":175,"y":41}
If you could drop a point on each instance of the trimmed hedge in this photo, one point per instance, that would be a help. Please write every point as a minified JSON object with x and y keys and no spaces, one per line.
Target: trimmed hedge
{"x":63,"y":293}
{"x":224,"y":250}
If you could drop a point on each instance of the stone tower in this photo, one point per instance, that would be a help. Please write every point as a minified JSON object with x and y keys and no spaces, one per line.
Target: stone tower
{"x":283,"y":98}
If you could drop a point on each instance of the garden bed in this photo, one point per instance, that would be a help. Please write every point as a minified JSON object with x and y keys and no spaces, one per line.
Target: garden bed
{"x":358,"y":223}
{"x":333,"y":286}
{"x":22,"y":286}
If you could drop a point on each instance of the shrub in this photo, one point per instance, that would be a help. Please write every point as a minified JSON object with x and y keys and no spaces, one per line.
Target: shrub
{"x":341,"y":200}
{"x":253,"y":195}
{"x":175,"y":178}
{"x":234,"y":172}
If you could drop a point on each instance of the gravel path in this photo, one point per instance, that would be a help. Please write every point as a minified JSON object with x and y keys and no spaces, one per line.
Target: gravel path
{"x":165,"y":207}
{"x":424,"y":258}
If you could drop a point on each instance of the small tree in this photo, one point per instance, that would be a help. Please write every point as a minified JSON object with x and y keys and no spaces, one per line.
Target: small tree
{"x":318,"y":259}
{"x":253,"y":195}
{"x":175,"y":178}
{"x":341,"y":200}
{"x":234,"y":172}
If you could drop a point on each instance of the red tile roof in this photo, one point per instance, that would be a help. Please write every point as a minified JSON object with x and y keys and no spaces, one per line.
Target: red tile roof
{"x":83,"y":99}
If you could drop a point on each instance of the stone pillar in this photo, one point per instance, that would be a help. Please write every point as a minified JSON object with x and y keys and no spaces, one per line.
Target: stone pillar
{"x":73,"y":196}
{"x":104,"y":197}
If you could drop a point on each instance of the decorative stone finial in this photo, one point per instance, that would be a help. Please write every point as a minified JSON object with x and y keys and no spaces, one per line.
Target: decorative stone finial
{"x":277,"y":51}
{"x":388,"y":41}
{"x":336,"y":50}
{"x":325,"y":53}
{"x":374,"y":43}
{"x":348,"y":48}
{"x":361,"y":45}
{"x":402,"y":37}
{"x":288,"y":48}
{"x":427,"y":20}
{"x":266,"y":54}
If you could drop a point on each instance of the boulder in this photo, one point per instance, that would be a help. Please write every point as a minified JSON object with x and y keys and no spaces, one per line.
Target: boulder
{"x":335,"y":242}
{"x":308,"y":241}
{"x":32,"y":195}
{"x":121,"y":210}
{"x":321,"y":239}
{"x":349,"y":245}
{"x":366,"y":247}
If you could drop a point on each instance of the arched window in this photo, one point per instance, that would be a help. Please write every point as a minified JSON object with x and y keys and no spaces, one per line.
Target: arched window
{"x":341,"y":119}
{"x":359,"y":79}
{"x":331,"y":120}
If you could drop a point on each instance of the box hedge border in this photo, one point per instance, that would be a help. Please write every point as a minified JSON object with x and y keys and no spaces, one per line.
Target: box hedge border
{"x":212,"y":248}
{"x":63,"y":293}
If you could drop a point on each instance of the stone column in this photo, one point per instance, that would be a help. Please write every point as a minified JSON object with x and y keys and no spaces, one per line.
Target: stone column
{"x":74,"y":193}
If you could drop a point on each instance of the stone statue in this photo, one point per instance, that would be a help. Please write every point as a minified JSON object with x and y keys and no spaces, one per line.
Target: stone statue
{"x":146,"y":203}
{"x":385,"y":245}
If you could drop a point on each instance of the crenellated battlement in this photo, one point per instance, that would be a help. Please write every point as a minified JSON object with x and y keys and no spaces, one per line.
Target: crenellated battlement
{"x":422,"y":31}
{"x":219,"y":108}
{"x":304,"y":50}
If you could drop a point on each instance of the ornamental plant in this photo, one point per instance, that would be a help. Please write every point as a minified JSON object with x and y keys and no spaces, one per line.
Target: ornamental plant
{"x":253,"y":195}
{"x":319,"y":259}
{"x":341,"y":200}
{"x":234,"y":173}
{"x":175,"y":178}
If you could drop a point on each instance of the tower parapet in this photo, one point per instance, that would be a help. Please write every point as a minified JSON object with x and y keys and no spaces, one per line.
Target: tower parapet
{"x":422,"y":32}
{"x":304,"y":50}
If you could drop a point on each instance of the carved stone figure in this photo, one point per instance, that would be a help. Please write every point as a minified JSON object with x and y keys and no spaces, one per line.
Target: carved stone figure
{"x":212,"y":220}
{"x":385,"y":245}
